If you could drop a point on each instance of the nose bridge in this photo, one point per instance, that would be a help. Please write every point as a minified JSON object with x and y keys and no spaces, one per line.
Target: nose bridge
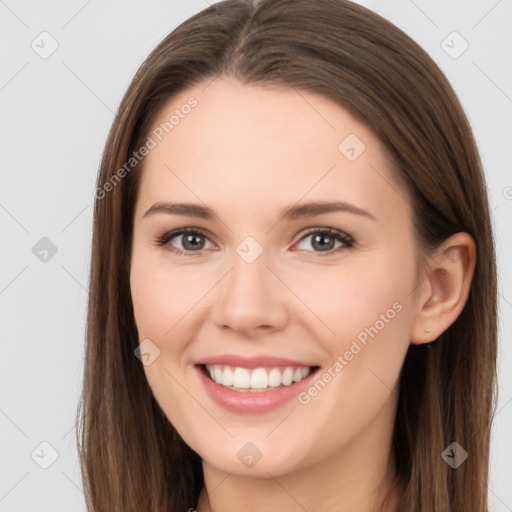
{"x":248,"y":282}
{"x":250,"y":295}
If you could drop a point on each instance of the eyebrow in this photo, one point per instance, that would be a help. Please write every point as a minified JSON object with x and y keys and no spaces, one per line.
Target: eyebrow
{"x":294,"y":212}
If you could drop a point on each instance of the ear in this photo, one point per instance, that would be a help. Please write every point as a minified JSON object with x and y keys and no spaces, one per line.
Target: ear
{"x":445,"y":288}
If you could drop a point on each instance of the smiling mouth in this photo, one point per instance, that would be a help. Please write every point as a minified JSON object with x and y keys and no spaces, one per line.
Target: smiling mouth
{"x":254,"y":380}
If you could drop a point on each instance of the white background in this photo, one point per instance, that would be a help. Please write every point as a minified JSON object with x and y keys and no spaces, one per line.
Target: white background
{"x":55,"y":116}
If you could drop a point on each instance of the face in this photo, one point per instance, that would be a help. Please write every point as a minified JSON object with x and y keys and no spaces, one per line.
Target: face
{"x":302,"y":313}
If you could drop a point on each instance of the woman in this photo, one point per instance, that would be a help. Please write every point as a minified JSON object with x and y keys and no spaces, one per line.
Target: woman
{"x":293,"y":284}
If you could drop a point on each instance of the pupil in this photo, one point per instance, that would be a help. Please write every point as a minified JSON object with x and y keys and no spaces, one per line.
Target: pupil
{"x":319,"y":237}
{"x":189,"y":239}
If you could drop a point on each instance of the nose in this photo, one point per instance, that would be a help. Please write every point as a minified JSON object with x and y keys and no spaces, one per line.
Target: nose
{"x":250,"y":299}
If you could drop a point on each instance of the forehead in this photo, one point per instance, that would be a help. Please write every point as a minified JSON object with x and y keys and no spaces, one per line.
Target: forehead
{"x":238,"y":143}
{"x":245,"y":115}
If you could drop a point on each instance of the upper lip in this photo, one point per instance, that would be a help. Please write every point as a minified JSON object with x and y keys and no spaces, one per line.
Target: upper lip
{"x":251,"y":362}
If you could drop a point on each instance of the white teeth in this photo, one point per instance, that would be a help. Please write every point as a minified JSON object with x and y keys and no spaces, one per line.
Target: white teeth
{"x":259,"y":378}
{"x":256,"y":378}
{"x":287,"y":377}
{"x":241,"y":378}
{"x":227,"y":377}
{"x":274,"y":378}
{"x":217,"y":374}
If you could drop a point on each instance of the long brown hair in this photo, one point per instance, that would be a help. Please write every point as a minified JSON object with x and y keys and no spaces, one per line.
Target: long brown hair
{"x":132,"y":459}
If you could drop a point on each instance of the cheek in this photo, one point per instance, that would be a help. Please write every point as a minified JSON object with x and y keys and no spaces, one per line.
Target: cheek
{"x":369,"y":311}
{"x":163,"y":302}
{"x":366,"y":313}
{"x":163,"y":296}
{"x":354,"y":301}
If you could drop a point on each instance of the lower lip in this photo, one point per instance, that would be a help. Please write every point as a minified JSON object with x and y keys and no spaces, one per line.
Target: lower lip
{"x":252,"y":402}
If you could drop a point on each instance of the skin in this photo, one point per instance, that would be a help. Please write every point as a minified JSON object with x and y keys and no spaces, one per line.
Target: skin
{"x":246,"y":152}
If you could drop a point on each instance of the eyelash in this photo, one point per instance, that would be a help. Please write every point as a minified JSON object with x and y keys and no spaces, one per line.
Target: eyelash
{"x":347,"y":240}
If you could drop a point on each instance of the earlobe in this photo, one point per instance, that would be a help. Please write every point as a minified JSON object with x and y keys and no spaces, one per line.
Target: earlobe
{"x":447,"y":284}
